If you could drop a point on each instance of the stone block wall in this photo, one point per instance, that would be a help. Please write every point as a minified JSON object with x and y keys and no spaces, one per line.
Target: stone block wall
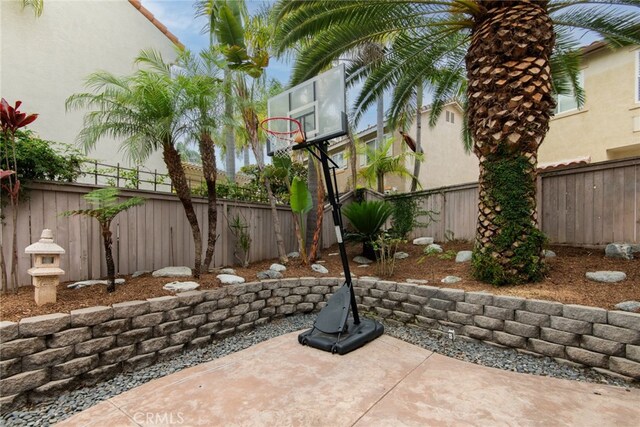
{"x":43,"y":355}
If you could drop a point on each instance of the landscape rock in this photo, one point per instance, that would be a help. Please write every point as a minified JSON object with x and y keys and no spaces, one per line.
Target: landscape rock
{"x":227,"y":271}
{"x":181,"y":286}
{"x":632,"y":306}
{"x":548,"y":253}
{"x":451,"y":279}
{"x":269,"y":274}
{"x":401,"y":255}
{"x":293,"y":254}
{"x":362,"y":260}
{"x":618,"y":250}
{"x":140,"y":273}
{"x":423,"y":241}
{"x":173,"y":272}
{"x":464,"y":256}
{"x":85,"y":283}
{"x":635,"y":248}
{"x":433,"y":249}
{"x":334,"y":254}
{"x":319,"y":268}
{"x":606,"y":276}
{"x":417,"y":281}
{"x":363,"y":266}
{"x":230,"y":279}
{"x":278,"y":267}
{"x":369,"y":278}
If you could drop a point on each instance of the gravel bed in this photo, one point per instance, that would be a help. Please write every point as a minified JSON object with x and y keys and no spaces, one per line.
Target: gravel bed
{"x":72,"y":402}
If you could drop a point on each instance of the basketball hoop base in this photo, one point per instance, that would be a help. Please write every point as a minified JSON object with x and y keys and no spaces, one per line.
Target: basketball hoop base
{"x":355,"y":336}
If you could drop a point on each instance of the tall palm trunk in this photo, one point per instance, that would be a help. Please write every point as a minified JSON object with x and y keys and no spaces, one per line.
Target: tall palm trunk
{"x":230,"y":159}
{"x":509,"y":108}
{"x":179,"y":181}
{"x":111,"y":268}
{"x":208,"y":155}
{"x":417,"y":161}
{"x":315,"y":216}
{"x":312,"y":185}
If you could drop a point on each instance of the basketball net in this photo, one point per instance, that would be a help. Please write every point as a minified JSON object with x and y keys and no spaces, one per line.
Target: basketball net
{"x":282,"y":142}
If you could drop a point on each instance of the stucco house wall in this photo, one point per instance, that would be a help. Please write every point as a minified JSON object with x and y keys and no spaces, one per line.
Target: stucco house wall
{"x":608,"y":126}
{"x":44,"y":60}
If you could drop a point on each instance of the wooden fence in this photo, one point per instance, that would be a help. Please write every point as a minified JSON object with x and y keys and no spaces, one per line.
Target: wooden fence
{"x":583,"y":205}
{"x":146,"y":237}
{"x":586,"y":205}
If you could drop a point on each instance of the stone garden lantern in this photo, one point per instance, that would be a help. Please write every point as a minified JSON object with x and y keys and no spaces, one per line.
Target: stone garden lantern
{"x":46,"y":267}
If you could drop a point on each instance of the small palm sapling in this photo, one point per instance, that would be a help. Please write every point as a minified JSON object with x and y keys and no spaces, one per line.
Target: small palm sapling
{"x":105,"y":207}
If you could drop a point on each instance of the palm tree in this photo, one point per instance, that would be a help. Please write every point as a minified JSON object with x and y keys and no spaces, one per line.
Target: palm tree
{"x":506,"y":57}
{"x":36,"y":5}
{"x":380,"y":163}
{"x":145,"y":110}
{"x":202,"y":95}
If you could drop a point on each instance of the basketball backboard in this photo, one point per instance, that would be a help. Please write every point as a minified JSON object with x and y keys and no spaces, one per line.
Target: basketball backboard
{"x":319,"y":104}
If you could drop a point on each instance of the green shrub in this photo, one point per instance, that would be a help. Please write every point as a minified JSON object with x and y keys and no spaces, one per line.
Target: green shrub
{"x":39,"y":160}
{"x":406,"y":216}
{"x":367,"y":219}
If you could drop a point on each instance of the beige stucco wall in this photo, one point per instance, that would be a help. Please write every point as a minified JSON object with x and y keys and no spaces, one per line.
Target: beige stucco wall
{"x":604,"y":128}
{"x":44,"y":60}
{"x":445,"y":160}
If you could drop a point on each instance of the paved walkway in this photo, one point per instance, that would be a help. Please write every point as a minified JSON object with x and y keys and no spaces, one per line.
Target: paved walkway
{"x":386,"y":383}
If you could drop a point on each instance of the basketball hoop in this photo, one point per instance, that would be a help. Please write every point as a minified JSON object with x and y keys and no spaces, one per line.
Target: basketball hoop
{"x":282,"y":140}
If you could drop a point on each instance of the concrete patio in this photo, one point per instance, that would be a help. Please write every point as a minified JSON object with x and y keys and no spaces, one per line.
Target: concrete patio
{"x":386,"y":383}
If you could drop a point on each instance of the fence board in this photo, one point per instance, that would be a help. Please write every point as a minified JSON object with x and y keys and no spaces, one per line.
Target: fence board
{"x":586,"y":205}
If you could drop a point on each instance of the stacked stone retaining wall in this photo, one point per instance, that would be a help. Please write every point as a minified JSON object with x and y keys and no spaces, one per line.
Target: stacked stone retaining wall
{"x":41,"y":356}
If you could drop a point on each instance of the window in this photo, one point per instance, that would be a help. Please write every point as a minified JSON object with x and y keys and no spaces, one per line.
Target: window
{"x":568,"y":102}
{"x":338,"y":158}
{"x":450,"y":116}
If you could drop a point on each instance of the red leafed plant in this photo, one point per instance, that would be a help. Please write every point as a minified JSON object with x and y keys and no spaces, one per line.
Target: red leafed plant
{"x":11,"y":119}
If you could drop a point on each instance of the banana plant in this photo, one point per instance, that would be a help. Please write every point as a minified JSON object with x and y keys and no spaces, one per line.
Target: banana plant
{"x":301,"y":203}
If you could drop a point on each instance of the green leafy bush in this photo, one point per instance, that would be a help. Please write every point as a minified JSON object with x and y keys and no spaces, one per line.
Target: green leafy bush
{"x":367,"y":219}
{"x":39,"y":159}
{"x":406,"y":216}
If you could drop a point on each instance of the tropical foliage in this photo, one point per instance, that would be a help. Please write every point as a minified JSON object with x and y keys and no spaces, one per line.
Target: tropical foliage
{"x":104,"y":208}
{"x":381,"y":163}
{"x":11,"y":120}
{"x":367,"y":219}
{"x":503,"y":60}
{"x":152,"y":110}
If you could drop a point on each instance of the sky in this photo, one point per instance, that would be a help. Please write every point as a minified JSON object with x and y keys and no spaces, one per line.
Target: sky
{"x":179,"y":17}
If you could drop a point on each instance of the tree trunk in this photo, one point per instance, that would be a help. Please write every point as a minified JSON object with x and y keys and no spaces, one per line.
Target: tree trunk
{"x":179,"y":181}
{"x":510,"y":100}
{"x":379,"y":122}
{"x":380,"y":183}
{"x":230,"y":159}
{"x":353,"y":159}
{"x":247,"y":159}
{"x":314,"y":252}
{"x":417,"y":161}
{"x":111,"y":269}
{"x":14,"y":245}
{"x":312,"y":185}
{"x":208,"y":156}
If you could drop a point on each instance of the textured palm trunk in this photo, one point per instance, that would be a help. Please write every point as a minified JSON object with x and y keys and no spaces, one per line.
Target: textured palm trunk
{"x":312,"y":185}
{"x":208,"y":155}
{"x":111,"y":268}
{"x":314,"y":251}
{"x":353,"y":162}
{"x":230,"y":157}
{"x":179,"y":182}
{"x":510,"y":102}
{"x":417,"y":161}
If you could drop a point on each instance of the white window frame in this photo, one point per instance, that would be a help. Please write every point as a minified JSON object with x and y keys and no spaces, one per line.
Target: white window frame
{"x":342,"y":164}
{"x":569,"y":98}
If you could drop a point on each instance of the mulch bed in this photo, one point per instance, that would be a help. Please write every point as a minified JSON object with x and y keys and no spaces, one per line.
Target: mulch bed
{"x":565,"y":282}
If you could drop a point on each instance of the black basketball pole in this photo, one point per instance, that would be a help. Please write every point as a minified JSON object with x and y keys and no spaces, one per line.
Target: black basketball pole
{"x":337,"y":221}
